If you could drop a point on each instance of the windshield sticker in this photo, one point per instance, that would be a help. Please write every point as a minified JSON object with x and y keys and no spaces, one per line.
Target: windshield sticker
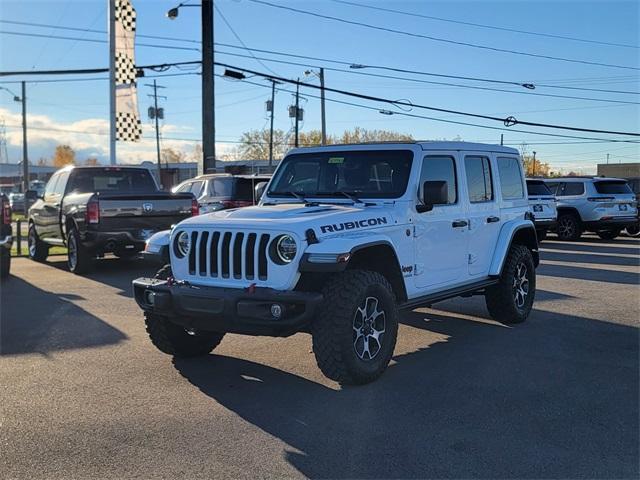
{"x":369,"y":222}
{"x":336,"y":160}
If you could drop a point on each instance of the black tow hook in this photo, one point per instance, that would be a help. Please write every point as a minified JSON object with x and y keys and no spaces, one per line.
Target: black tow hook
{"x":178,"y":283}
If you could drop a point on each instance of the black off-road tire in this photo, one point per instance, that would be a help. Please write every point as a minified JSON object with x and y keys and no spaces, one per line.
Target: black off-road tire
{"x":608,"y":234}
{"x":541,"y":234}
{"x":501,"y":299}
{"x":83,"y":261}
{"x":569,"y":227}
{"x":633,"y":230}
{"x":5,"y":263}
{"x":38,"y":250}
{"x":333,"y":330}
{"x":172,"y":338}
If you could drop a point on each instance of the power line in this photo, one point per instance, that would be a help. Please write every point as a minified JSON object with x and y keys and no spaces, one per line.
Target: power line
{"x":508,"y":122}
{"x":439,"y":39}
{"x":493,"y":27}
{"x":431,"y":82}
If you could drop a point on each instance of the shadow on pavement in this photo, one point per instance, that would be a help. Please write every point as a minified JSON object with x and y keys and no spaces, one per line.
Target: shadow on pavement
{"x":601,"y":259}
{"x":589,"y":248}
{"x":592,"y":274}
{"x":487,"y":401}
{"x":35,"y":321}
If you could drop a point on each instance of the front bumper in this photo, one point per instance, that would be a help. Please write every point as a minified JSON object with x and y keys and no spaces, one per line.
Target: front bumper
{"x":6,"y":241}
{"x":245,"y":311}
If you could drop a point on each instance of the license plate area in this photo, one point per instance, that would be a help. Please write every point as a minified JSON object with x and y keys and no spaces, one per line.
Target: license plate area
{"x":538,"y":208}
{"x":623,"y":207}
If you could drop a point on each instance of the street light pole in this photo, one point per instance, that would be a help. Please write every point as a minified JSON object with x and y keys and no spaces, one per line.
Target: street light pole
{"x":297,"y":109}
{"x":273,"y":100}
{"x":534,"y":163}
{"x":322,"y":109}
{"x":208,"y":97}
{"x":25,"y":157}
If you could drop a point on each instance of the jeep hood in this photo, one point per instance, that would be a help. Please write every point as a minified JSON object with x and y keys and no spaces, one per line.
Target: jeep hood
{"x":296,"y":217}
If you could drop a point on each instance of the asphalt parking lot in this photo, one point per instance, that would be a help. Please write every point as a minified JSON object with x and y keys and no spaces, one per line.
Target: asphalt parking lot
{"x":84,"y":393}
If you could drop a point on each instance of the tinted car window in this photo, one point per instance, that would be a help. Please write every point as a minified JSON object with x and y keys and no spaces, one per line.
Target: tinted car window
{"x":479,"y":179}
{"x":572,"y":188}
{"x":440,"y":168}
{"x":554,"y":187}
{"x":538,"y":187}
{"x":221,"y":187}
{"x":111,"y":180}
{"x":244,"y":189}
{"x":368,"y":174}
{"x":196,"y":188}
{"x":612,"y":187}
{"x":510,"y":178}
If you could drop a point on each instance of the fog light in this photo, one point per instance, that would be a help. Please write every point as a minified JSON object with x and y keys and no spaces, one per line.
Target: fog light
{"x":150,"y":298}
{"x":276,"y":310}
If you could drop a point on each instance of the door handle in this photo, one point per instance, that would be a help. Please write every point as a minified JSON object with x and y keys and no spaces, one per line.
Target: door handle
{"x":493,"y":219}
{"x":459,"y":223}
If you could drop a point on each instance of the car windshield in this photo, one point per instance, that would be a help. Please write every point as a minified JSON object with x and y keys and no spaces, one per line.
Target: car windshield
{"x":366,"y":174}
{"x":117,"y":180}
{"x":612,"y":186}
{"x":537,"y":188}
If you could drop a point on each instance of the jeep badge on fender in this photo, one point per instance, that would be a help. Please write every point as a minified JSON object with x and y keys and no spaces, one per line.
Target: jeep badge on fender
{"x":343,"y":239}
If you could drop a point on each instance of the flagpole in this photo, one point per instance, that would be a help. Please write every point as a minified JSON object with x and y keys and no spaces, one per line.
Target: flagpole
{"x":112,"y":80}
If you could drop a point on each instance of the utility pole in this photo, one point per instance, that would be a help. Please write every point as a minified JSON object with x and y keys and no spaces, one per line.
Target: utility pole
{"x":273,"y":100}
{"x":297,"y":109}
{"x":322,"y":109}
{"x":25,"y":156}
{"x":208,"y":97}
{"x":111,"y":22}
{"x":157,"y":115}
{"x":534,"y":164}
{"x":607,"y":159}
{"x":501,"y":139}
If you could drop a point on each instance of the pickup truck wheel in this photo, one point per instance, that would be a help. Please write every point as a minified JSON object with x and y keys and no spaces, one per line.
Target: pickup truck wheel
{"x":511,"y":299}
{"x":633,"y":230}
{"x":78,"y":259}
{"x":38,"y":250}
{"x":354,"y":332}
{"x":173,"y":339}
{"x":569,"y":227}
{"x":608,"y":234}
{"x":5,"y":263}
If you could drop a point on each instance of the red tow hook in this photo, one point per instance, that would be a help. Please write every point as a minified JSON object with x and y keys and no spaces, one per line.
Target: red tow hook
{"x":171,"y":282}
{"x":251,"y":288}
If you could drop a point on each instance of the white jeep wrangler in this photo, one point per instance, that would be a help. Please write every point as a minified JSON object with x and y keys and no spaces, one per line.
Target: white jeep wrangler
{"x":343,"y":238}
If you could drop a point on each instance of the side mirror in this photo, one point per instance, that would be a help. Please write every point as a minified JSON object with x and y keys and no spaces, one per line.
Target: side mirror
{"x":434,"y":192}
{"x":259,"y":191}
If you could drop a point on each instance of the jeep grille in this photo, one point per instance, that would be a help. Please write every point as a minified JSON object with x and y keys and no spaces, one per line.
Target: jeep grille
{"x":224,"y":254}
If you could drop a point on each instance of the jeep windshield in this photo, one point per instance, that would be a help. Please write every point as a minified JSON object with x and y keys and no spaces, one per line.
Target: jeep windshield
{"x":348,"y":174}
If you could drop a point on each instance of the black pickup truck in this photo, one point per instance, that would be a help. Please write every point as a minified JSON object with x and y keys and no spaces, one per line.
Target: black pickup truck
{"x":6,"y":238}
{"x":98,"y":210}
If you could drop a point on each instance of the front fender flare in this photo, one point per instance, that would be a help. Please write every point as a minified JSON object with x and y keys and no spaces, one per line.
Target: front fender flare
{"x":505,"y":239}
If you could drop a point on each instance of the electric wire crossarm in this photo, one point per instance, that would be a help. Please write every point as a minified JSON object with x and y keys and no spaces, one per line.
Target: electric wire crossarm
{"x":508,"y":121}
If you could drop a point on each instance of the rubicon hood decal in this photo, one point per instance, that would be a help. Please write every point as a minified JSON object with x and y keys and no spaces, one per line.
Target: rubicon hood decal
{"x":368,"y":222}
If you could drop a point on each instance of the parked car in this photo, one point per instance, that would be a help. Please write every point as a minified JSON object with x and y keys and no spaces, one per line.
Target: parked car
{"x":220,"y":191}
{"x":343,"y":238}
{"x":98,"y":210}
{"x":17,"y":202}
{"x":602,"y":205}
{"x":543,"y":206}
{"x":6,"y":236}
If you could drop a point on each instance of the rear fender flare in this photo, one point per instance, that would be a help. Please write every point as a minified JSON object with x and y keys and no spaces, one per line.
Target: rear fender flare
{"x":526,"y":231}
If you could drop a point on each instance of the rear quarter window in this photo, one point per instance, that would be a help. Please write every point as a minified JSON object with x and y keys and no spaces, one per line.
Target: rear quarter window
{"x":538,"y":188}
{"x":510,"y":175}
{"x":612,"y":187}
{"x":572,"y":188}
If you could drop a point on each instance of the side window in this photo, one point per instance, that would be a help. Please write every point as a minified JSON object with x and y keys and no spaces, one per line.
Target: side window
{"x":61,"y":183}
{"x":479,"y":181}
{"x":510,"y":178}
{"x":554,"y":187}
{"x":51,"y":185}
{"x":573,"y":188}
{"x":196,"y":188}
{"x":436,"y":167}
{"x":184,"y":188}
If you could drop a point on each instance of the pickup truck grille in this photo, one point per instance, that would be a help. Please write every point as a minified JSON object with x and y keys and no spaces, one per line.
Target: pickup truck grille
{"x":224,"y":254}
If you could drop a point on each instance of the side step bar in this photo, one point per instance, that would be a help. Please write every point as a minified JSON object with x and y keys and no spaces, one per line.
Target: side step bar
{"x":427,"y":300}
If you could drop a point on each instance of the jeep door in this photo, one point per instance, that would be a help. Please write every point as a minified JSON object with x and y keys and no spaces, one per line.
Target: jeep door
{"x":441,"y":234}
{"x":483,"y":212}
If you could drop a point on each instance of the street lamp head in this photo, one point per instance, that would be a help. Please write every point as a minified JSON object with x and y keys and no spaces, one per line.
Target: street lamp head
{"x":16,"y":98}
{"x":234,"y":74}
{"x":172,"y":14}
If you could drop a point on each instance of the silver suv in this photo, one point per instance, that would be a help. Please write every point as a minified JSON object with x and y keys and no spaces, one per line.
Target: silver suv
{"x":596,"y":204}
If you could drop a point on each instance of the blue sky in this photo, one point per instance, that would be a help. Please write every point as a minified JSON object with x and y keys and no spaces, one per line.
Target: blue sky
{"x":82,"y":106}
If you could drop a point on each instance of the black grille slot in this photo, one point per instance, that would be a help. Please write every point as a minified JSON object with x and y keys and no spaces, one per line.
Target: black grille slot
{"x":213,"y":254}
{"x":237,"y":255}
{"x":202,"y":251}
{"x":249,"y":259}
{"x":192,"y":253}
{"x":226,"y":241}
{"x":262,"y":257}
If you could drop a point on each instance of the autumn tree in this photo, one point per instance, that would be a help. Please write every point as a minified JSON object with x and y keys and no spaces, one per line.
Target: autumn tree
{"x":540,"y":169}
{"x":254,"y":144}
{"x":42,"y":162}
{"x":362,"y":135}
{"x":170,"y":155}
{"x":64,"y":155}
{"x":91,"y":161}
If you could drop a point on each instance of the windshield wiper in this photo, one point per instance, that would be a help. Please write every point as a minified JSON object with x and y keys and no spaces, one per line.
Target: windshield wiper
{"x":350,"y":195}
{"x":297,"y":195}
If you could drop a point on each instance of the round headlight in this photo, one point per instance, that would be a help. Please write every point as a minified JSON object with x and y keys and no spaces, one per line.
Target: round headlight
{"x":286,"y":248}
{"x":183,"y":244}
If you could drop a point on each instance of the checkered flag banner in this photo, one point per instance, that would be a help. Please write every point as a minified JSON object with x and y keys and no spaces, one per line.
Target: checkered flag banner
{"x":128,"y":128}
